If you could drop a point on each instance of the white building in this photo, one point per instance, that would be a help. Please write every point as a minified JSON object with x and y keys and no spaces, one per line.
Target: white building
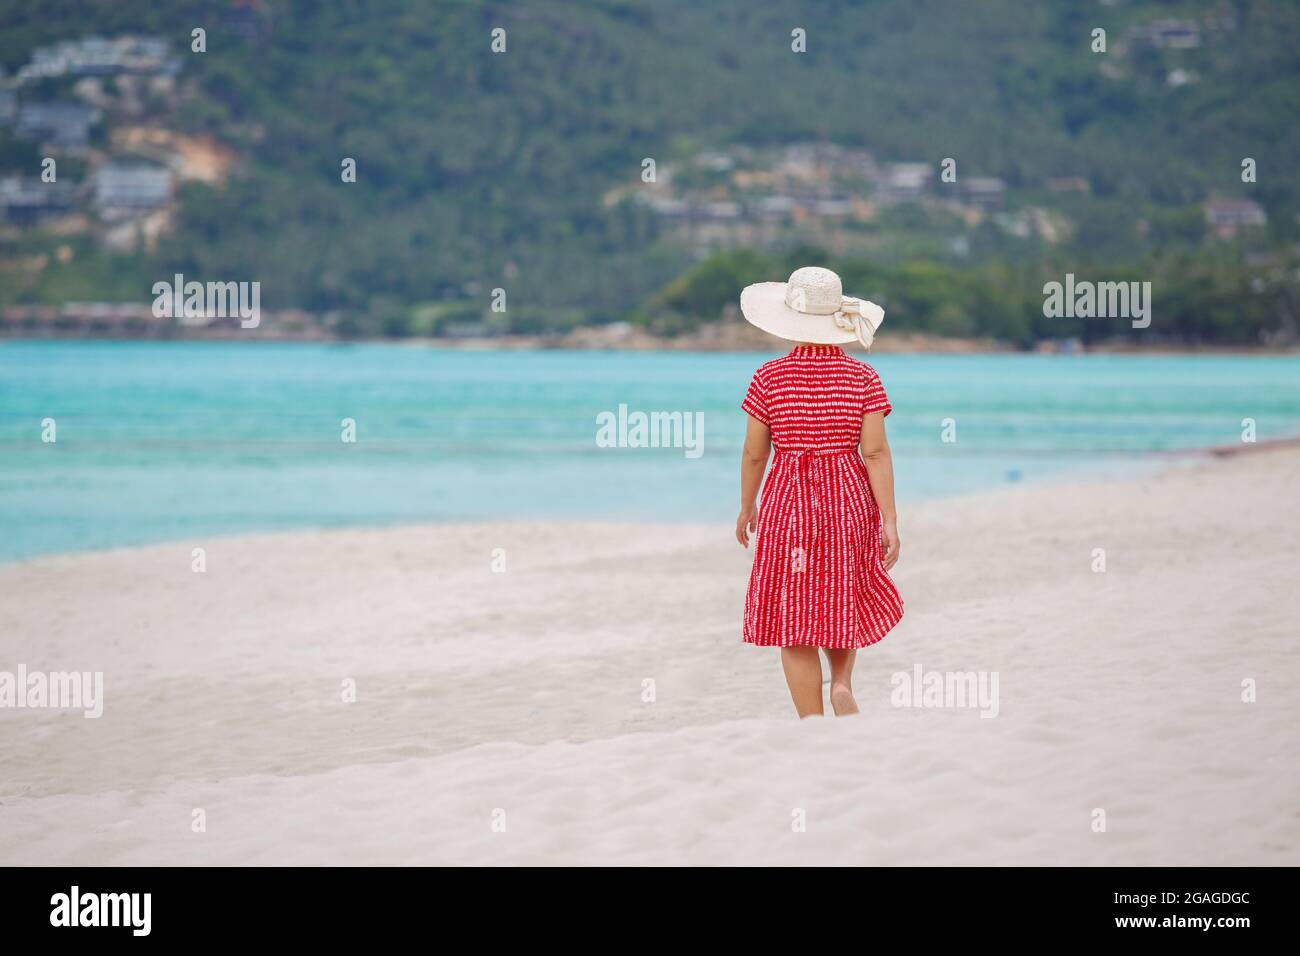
{"x":904,"y":182}
{"x":129,"y":188}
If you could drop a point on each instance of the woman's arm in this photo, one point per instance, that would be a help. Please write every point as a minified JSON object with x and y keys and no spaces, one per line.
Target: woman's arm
{"x":753,"y":462}
{"x":880,"y":473}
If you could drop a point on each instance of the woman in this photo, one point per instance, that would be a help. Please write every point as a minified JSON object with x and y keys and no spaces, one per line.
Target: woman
{"x":827,"y":531}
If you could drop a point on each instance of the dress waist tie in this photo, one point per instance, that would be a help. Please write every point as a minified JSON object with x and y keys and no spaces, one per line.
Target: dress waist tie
{"x":805,"y":524}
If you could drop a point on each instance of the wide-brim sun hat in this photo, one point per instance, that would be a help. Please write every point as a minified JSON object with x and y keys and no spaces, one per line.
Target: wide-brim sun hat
{"x":811,"y":307}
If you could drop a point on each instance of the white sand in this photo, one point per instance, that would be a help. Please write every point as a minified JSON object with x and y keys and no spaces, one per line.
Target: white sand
{"x":523,"y":691}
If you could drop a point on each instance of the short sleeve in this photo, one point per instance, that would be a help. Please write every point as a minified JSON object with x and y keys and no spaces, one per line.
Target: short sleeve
{"x":756,"y":400}
{"x":875,"y":399}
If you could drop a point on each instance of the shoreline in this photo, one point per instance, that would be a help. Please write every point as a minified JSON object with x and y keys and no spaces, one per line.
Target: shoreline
{"x":731,"y":340}
{"x":1142,"y":465}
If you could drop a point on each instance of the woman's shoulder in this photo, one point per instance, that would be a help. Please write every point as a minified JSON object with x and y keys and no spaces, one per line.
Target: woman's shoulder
{"x":867,"y":373}
{"x":767,"y":368}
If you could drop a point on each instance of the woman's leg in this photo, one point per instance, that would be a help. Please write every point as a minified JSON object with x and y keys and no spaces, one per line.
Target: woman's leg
{"x":803,"y":673}
{"x":841,"y":661}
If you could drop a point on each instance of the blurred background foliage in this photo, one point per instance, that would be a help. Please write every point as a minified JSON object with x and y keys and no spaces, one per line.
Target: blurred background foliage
{"x":478,"y":170}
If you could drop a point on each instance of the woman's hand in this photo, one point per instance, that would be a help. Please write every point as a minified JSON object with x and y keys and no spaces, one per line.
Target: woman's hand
{"x":753,"y":461}
{"x":746,"y":524}
{"x":889,"y":535}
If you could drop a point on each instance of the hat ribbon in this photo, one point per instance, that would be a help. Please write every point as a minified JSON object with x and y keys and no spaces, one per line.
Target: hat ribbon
{"x":861,"y":317}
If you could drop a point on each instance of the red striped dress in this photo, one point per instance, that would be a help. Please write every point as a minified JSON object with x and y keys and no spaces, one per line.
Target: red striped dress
{"x":817,"y":577}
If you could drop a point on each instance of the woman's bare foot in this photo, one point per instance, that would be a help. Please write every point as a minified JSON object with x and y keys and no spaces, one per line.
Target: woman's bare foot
{"x":842,"y":701}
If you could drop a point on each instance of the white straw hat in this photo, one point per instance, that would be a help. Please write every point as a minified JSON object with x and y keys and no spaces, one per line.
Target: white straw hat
{"x":811,"y":307}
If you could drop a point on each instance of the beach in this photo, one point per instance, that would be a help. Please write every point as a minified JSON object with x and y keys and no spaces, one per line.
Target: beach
{"x":567,"y":693}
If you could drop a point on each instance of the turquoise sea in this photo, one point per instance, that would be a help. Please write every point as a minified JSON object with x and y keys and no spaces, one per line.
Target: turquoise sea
{"x":180,"y":440}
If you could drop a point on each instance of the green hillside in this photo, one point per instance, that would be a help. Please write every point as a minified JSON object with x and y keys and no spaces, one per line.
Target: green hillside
{"x":478,"y":170}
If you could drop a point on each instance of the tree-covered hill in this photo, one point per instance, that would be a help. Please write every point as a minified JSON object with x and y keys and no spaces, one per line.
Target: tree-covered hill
{"x":478,"y":169}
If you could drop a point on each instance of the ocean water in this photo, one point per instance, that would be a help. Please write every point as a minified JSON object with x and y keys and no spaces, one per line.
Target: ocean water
{"x":159,"y":441}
